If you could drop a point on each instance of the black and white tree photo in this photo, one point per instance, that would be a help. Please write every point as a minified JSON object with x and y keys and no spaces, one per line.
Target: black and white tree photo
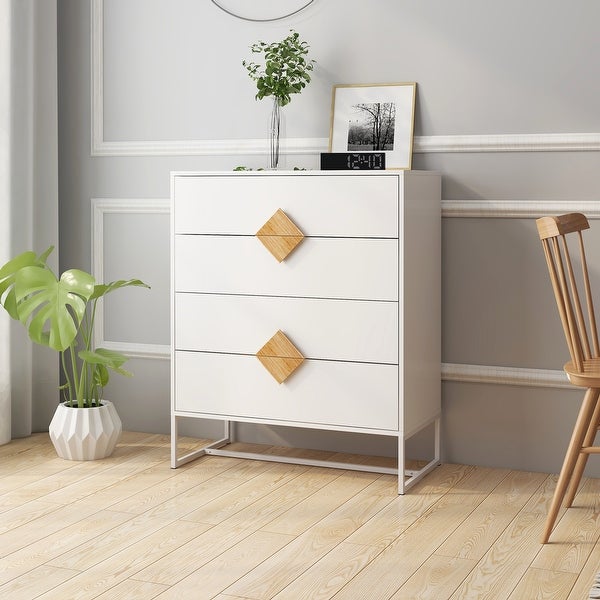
{"x":372,"y":126}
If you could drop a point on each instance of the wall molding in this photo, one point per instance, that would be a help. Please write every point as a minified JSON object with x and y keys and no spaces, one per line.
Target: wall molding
{"x":519,"y":142}
{"x":100,"y":207}
{"x":307,"y":146}
{"x":528,"y":142}
{"x":517,"y":209}
{"x":544,"y":378}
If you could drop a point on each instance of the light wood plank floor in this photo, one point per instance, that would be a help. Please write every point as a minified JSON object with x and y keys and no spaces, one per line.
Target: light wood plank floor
{"x":129,"y":527}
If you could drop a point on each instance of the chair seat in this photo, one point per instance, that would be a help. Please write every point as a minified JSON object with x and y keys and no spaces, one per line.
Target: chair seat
{"x":590,"y":378}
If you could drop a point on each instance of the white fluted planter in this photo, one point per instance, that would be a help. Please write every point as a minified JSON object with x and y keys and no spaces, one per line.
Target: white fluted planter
{"x":85,"y":433}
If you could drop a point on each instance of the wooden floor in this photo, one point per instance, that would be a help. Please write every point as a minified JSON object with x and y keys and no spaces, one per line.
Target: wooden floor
{"x":129,"y":527}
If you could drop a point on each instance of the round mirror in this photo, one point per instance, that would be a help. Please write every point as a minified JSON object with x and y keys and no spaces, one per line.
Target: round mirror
{"x":262,"y":10}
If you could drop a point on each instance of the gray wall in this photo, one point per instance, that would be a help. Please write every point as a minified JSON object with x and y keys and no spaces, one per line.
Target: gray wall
{"x":507,"y":111}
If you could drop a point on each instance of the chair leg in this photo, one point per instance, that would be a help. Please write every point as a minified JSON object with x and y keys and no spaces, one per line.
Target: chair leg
{"x":581,"y":428}
{"x":588,"y":440}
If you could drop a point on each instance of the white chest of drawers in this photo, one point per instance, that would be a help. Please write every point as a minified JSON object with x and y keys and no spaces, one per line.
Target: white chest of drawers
{"x":356,"y":303}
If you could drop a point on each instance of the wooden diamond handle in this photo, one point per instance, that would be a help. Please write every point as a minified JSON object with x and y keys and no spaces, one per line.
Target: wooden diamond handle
{"x":280,"y":235}
{"x":280,"y":357}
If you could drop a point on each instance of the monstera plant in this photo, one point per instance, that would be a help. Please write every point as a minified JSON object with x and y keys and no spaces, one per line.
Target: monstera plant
{"x":59,"y":313}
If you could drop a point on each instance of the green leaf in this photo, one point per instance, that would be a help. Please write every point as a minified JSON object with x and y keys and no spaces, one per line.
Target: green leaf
{"x":101,"y":289}
{"x":8,"y":273}
{"x":52,"y":309}
{"x":110,"y":359}
{"x":285,"y":68}
{"x":101,"y":376}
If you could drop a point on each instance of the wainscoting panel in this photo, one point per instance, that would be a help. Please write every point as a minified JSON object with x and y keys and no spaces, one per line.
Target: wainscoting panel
{"x":131,"y":240}
{"x":475,"y":143}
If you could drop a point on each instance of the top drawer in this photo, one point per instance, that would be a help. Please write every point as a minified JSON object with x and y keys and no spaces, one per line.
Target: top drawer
{"x":329,"y":206}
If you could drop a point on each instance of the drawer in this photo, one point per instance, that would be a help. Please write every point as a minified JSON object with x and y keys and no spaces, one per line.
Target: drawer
{"x":326,"y":393}
{"x":351,"y":330}
{"x":363,"y":269}
{"x":343,"y":205}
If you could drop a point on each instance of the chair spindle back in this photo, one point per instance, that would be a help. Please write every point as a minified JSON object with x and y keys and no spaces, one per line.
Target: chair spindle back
{"x":581,"y":334}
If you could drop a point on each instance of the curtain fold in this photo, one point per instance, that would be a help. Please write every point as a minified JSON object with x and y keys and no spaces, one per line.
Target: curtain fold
{"x":5,"y":42}
{"x":28,"y":197}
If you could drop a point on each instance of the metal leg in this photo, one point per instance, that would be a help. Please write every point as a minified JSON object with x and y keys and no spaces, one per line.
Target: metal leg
{"x":412,"y":476}
{"x":406,"y":478}
{"x":173,"y":441}
{"x":178,"y":461}
{"x":401,"y":464}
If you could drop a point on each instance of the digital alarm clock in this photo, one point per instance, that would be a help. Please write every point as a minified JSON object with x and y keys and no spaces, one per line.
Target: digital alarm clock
{"x":352,"y":161}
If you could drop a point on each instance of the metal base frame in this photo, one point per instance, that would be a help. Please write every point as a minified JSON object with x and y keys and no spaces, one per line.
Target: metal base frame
{"x":217,"y":448}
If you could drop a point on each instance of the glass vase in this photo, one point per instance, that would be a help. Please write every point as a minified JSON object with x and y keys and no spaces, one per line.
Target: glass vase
{"x":274,"y":133}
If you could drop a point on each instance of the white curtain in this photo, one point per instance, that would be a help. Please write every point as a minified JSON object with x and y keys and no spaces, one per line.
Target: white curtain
{"x":5,"y":412}
{"x":28,"y":197}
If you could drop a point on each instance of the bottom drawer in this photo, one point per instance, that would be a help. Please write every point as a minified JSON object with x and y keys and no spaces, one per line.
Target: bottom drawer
{"x":335,"y":394}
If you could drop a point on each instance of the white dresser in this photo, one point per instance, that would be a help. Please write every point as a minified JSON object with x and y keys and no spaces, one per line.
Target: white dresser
{"x":307,"y":299}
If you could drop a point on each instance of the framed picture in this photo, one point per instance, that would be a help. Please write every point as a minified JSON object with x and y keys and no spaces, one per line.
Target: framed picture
{"x":374,"y":118}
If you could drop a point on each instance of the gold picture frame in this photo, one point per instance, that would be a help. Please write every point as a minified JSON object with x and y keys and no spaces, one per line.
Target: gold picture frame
{"x":374,"y":117}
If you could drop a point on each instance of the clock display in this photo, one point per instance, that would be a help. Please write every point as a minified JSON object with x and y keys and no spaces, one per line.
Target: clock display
{"x":352,"y":161}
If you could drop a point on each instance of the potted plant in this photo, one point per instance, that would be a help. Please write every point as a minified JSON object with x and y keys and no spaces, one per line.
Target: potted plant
{"x":285,"y":72}
{"x":59,"y":313}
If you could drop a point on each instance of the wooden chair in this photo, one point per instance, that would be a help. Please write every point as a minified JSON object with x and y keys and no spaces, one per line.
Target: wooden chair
{"x":583,"y":370}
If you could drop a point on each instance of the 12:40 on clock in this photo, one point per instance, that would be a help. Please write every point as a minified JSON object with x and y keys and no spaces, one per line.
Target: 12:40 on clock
{"x":352,"y":161}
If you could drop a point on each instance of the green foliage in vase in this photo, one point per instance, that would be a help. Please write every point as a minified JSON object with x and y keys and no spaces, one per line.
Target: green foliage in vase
{"x":243,"y":168}
{"x":59,"y":313}
{"x":286,"y":69}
